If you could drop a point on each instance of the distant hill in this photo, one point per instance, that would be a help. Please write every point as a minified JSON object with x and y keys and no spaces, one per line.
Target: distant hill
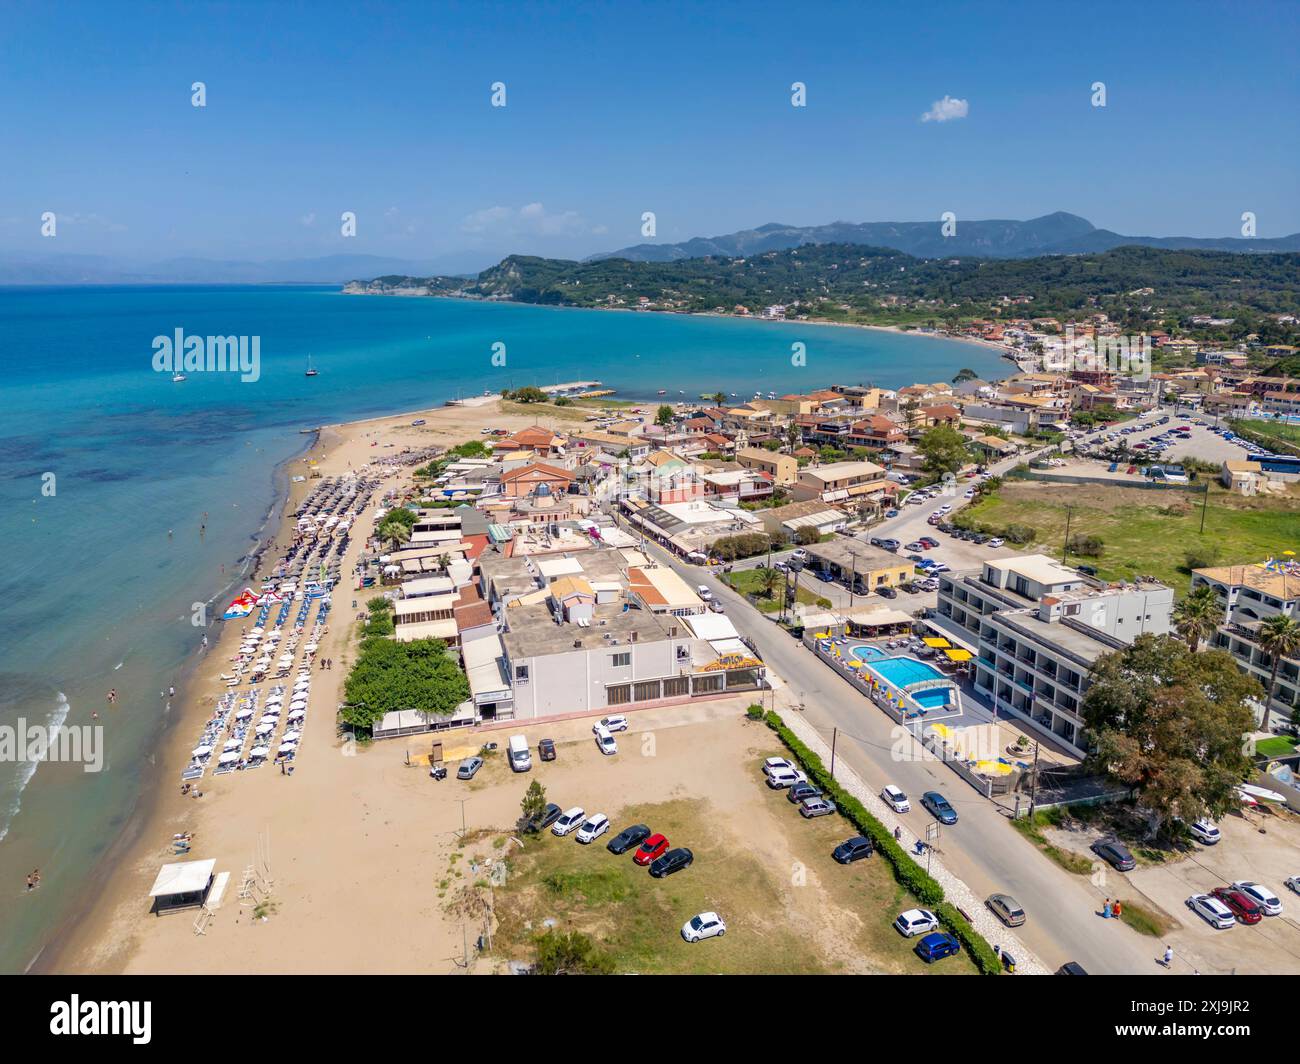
{"x":1052,"y":234}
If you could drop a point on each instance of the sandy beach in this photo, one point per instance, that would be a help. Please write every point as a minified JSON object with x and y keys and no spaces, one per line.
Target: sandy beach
{"x":332,"y":843}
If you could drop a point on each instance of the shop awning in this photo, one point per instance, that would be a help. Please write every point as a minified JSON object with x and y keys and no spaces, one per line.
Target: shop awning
{"x":938,"y":642}
{"x":958,"y":655}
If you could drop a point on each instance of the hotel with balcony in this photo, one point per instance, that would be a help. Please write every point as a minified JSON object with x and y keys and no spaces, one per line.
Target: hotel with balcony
{"x":1039,"y":626}
{"x":1249,"y":594}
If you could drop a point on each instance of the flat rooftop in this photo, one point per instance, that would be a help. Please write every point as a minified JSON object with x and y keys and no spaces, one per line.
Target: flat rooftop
{"x":853,"y":553}
{"x":533,"y":632}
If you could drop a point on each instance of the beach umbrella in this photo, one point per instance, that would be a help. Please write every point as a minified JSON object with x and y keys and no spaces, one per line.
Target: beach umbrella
{"x":202,"y":751}
{"x":287,"y":745}
{"x":227,"y":758}
{"x":264,"y":728}
{"x":243,"y":714}
{"x":297,"y":714}
{"x":233,"y":744}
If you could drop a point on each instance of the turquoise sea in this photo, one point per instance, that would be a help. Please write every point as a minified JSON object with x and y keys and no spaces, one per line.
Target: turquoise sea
{"x":108,"y":470}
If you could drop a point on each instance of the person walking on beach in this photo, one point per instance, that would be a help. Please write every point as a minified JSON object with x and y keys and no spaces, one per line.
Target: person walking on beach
{"x":112,"y":697}
{"x":171,"y":692}
{"x":30,"y":883}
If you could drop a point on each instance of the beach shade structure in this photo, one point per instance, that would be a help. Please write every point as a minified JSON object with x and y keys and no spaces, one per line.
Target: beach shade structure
{"x":310,"y":648}
{"x":287,"y":748}
{"x":297,"y":714}
{"x":292,"y":736}
{"x":229,"y":757}
{"x":298,"y":703}
{"x":233,"y":744}
{"x":243,"y":714}
{"x":202,"y":751}
{"x":265,"y":729}
{"x":938,"y":642}
{"x":259,"y":751}
{"x":182,"y":885}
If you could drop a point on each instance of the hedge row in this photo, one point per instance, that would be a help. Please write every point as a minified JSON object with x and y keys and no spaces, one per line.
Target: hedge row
{"x":918,"y":882}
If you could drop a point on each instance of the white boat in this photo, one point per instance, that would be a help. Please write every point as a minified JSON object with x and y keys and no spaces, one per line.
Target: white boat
{"x":177,"y":378}
{"x":1249,"y":790}
{"x":310,"y":372}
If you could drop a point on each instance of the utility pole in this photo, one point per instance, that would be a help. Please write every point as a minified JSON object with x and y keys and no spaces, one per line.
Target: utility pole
{"x":835,"y":734}
{"x":1065,"y":546}
{"x":1033,"y":785}
{"x":1205,"y":505}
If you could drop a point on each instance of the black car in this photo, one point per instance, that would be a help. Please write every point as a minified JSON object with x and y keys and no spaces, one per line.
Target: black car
{"x":627,"y":838}
{"x":1087,"y":569}
{"x":1115,"y":853}
{"x":544,"y":819}
{"x":915,"y":558}
{"x":546,"y":749}
{"x":887,"y":592}
{"x":1071,"y":968}
{"x":800,"y":791}
{"x":672,"y":861}
{"x":851,"y":850}
{"x":875,"y":541}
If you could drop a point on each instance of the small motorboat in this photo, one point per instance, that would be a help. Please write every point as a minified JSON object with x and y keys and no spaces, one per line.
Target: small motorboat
{"x":177,"y":378}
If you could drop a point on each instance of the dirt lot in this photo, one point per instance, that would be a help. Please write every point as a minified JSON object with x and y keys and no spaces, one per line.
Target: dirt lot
{"x":1165,"y":878}
{"x":766,"y":870}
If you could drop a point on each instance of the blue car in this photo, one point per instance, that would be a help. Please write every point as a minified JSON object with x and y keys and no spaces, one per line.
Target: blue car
{"x":937,"y":945}
{"x":939,"y":807}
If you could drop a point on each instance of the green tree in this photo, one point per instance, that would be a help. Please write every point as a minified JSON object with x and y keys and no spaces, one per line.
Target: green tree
{"x":719,"y":398}
{"x":664,"y":416}
{"x":793,"y":437}
{"x":769,"y":580}
{"x":389,"y":676}
{"x":1279,"y":637}
{"x":1197,"y":616}
{"x":943,"y":449}
{"x":964,"y":374}
{"x":570,"y":953}
{"x":527,"y":394}
{"x":396,"y":532}
{"x":1168,"y":723}
{"x":534,"y":802}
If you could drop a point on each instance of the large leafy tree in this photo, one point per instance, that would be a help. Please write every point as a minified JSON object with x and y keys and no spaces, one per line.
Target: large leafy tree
{"x":664,"y":415}
{"x":1169,"y":723}
{"x":1197,"y":616}
{"x":388,"y":676}
{"x":944,"y":450}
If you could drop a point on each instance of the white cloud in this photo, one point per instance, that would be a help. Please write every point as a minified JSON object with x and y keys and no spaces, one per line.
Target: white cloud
{"x":532,"y":219}
{"x":946,"y":110}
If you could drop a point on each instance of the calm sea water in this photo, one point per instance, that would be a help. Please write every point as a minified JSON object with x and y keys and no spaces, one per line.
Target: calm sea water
{"x":108,"y":472}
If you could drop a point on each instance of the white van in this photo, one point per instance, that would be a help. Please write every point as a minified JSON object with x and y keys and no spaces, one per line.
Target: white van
{"x":520,"y":759}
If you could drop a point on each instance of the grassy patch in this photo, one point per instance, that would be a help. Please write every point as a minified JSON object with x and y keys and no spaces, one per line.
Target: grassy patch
{"x":1032,"y":829}
{"x":1143,"y":531}
{"x":1277,"y":746}
{"x":1143,"y":920}
{"x":750,"y":582}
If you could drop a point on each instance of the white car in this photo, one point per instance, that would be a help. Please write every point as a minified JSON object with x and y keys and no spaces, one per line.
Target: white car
{"x":995,"y":542}
{"x":777,"y":764}
{"x":896,"y":799}
{"x":1204,"y":832}
{"x":612,"y":724}
{"x":916,"y":922}
{"x":569,"y":821}
{"x":1212,"y":911}
{"x":783,"y":778}
{"x":605,"y":742}
{"x":704,"y":592}
{"x":799,"y":555}
{"x":593,"y":828}
{"x":705,"y":925}
{"x":945,"y":508}
{"x":1269,"y":903}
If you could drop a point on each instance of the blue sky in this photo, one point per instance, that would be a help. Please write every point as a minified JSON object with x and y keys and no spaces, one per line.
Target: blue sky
{"x":616,"y":109}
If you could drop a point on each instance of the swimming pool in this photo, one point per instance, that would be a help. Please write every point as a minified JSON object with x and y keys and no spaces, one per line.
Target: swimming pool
{"x":900,"y":673}
{"x":866,"y":652}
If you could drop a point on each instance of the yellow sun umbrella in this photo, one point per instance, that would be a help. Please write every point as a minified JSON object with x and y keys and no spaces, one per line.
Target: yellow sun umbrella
{"x":938,"y":642}
{"x":958,"y":655}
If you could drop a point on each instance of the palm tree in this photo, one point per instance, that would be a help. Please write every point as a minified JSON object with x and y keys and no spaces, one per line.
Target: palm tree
{"x":395,"y":531}
{"x":719,"y":398}
{"x":1197,"y":616}
{"x":770,"y":578}
{"x":1279,"y":637}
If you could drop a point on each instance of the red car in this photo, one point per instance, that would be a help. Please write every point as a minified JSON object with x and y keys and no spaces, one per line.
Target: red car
{"x":1242,"y":905}
{"x":654,"y":846}
{"x":928,"y":542}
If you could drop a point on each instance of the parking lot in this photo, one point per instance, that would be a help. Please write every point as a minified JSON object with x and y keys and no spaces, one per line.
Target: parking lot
{"x":765,"y":869}
{"x":1202,"y":441}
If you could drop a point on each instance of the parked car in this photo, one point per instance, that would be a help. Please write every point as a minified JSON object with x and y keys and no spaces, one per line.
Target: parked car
{"x":672,"y":861}
{"x":605,"y":742}
{"x":546,"y":749}
{"x":1115,"y":853}
{"x":468,"y":768}
{"x":854,"y":849}
{"x":627,"y":838}
{"x":896,"y":799}
{"x":915,"y":922}
{"x":824,"y":575}
{"x":995,"y":542}
{"x":703,"y":592}
{"x":915,"y":545}
{"x":544,"y":819}
{"x":1088,"y":569}
{"x":653,"y":847}
{"x":811,"y":807}
{"x":875,"y":541}
{"x":928,"y":542}
{"x":1292,"y":883}
{"x":705,"y":925}
{"x":1006,"y":909}
{"x":593,"y":828}
{"x":1242,"y":904}
{"x":1212,"y":911}
{"x":800,"y":791}
{"x":891,"y":513}
{"x":569,"y":821}
{"x":886,"y":591}
{"x":613,"y":724}
{"x":890,"y":544}
{"x":939,"y":806}
{"x":785,"y":778}
{"x":1071,"y":968}
{"x":936,"y":946}
{"x":777,"y":764}
{"x":1268,"y":902}
{"x":1204,"y":832}
{"x":800,"y":555}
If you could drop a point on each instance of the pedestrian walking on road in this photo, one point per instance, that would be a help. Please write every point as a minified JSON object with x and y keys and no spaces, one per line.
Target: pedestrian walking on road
{"x":1169,"y":957}
{"x":1117,"y":910}
{"x":1105,"y":910}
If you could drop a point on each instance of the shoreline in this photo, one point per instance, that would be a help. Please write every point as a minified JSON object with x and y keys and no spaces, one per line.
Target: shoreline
{"x":105,"y":931}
